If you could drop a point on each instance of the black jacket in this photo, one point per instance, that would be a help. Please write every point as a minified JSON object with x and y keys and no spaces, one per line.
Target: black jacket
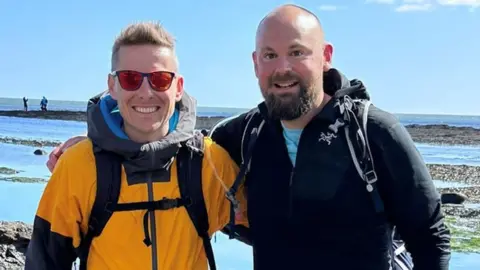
{"x":318,"y":215}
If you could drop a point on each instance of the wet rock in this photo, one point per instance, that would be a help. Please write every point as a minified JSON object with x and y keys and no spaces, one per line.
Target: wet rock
{"x":471,"y":193}
{"x":35,"y":143}
{"x":461,"y":211}
{"x":39,"y":152}
{"x":453,"y":198}
{"x":22,"y":179}
{"x":14,"y":239}
{"x":461,"y":173}
{"x":5,"y":170}
{"x":444,"y":134}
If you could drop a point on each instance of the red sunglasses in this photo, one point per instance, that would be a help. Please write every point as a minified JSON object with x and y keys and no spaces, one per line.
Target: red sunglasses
{"x":131,"y":80}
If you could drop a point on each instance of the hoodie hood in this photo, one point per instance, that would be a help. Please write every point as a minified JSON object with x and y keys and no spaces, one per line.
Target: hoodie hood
{"x":337,"y":85}
{"x":104,"y":124}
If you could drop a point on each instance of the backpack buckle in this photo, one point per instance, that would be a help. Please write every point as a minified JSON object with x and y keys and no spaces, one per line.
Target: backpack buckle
{"x":370,"y":177}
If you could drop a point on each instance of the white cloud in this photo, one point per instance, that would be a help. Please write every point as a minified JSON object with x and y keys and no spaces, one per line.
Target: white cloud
{"x":470,"y":3}
{"x":426,"y":5}
{"x":330,"y":7}
{"x":416,"y":2}
{"x":385,"y":2}
{"x":413,"y":7}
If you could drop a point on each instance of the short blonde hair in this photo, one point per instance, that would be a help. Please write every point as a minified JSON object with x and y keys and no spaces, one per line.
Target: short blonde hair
{"x":143,"y":33}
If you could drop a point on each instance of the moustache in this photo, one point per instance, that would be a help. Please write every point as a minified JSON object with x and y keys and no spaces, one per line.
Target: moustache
{"x":283,"y":77}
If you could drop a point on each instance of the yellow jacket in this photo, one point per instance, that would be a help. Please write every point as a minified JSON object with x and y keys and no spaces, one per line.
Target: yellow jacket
{"x":64,"y":209}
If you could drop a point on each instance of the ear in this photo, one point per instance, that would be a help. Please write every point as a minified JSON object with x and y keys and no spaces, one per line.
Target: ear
{"x":327,"y":56}
{"x":179,"y":88}
{"x":111,"y":86}
{"x":255,"y":65}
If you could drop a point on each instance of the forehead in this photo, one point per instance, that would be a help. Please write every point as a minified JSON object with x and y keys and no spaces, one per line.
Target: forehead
{"x":285,"y":31}
{"x":145,"y":58}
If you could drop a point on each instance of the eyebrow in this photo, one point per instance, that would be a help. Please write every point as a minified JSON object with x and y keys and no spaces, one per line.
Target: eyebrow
{"x":293,"y":46}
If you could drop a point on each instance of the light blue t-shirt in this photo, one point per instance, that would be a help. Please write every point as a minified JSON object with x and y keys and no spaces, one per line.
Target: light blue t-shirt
{"x":292,"y":137}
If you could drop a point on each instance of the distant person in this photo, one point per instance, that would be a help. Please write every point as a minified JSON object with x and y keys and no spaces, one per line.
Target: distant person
{"x":160,"y":192}
{"x":25,"y":104}
{"x":332,"y":181}
{"x":43,"y":104}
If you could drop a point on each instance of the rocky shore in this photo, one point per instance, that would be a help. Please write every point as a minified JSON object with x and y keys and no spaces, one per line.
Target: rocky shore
{"x":431,"y":134}
{"x":463,"y":219}
{"x":14,"y":239}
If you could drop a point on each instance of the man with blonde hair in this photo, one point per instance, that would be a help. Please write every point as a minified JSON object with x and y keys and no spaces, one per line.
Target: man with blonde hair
{"x":144,"y":191}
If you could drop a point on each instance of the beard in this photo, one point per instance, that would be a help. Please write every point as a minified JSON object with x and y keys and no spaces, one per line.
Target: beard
{"x":292,"y":105}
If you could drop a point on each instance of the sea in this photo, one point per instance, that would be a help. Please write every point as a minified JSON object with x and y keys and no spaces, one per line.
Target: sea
{"x":18,"y":201}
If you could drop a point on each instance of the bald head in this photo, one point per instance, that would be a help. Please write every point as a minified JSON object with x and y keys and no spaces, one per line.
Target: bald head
{"x":291,"y":16}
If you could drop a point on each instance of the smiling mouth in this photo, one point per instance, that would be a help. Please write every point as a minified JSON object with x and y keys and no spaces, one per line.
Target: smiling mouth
{"x":286,"y":84}
{"x":146,"y":110}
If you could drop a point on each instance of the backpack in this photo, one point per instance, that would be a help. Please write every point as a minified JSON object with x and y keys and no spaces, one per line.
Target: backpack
{"x":363,"y":161}
{"x":189,"y":163}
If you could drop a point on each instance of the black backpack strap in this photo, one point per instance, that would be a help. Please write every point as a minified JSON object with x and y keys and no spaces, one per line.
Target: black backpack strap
{"x":355,"y":116}
{"x":189,"y":166}
{"x":109,"y":169}
{"x":108,"y":189}
{"x":250,"y":135}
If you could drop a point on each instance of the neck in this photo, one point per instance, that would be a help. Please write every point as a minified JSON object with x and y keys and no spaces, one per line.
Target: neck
{"x":143,"y":137}
{"x":303,"y":120}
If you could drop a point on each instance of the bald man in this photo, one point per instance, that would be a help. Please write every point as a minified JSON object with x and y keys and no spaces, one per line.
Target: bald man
{"x":309,"y":205}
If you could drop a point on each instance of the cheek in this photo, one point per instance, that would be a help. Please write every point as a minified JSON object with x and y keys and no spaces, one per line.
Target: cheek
{"x":124,"y":97}
{"x":166,"y":98}
{"x":263,"y":75}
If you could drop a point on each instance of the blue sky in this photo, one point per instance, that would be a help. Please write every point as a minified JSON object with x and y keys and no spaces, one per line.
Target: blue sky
{"x":416,"y":56}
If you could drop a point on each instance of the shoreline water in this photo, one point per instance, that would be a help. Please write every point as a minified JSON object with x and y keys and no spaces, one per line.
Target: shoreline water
{"x":438,"y":134}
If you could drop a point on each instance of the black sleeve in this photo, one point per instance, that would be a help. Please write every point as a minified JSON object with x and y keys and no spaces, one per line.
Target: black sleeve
{"x":412,"y":202}
{"x":48,"y":249}
{"x":229,"y":136}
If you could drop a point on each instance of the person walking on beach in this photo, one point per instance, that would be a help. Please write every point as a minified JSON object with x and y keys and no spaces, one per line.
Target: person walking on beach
{"x":43,"y":104}
{"x":332,"y":181}
{"x":25,"y":104}
{"x":144,"y":191}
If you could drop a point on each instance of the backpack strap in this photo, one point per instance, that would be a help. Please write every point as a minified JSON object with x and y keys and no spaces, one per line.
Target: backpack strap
{"x":250,"y":135}
{"x":108,"y":182}
{"x":189,"y":167}
{"x":363,"y":161}
{"x":108,"y":190}
{"x":365,"y":167}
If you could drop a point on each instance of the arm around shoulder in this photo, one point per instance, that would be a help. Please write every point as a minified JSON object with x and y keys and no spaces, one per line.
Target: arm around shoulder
{"x":411,"y":199}
{"x":223,"y":171}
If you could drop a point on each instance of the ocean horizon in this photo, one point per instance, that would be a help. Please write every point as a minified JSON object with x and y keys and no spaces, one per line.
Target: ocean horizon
{"x":10,"y":104}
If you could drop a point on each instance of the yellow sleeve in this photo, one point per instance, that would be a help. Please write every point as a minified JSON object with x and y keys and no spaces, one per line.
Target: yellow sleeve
{"x":221,"y":170}
{"x":57,"y":223}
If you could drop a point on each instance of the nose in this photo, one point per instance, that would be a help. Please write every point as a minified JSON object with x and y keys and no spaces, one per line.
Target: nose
{"x":283,"y":65}
{"x":145,"y":91}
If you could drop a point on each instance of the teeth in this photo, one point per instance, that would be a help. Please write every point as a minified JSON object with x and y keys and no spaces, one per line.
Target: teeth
{"x":146,"y":109}
{"x":285,"y":85}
